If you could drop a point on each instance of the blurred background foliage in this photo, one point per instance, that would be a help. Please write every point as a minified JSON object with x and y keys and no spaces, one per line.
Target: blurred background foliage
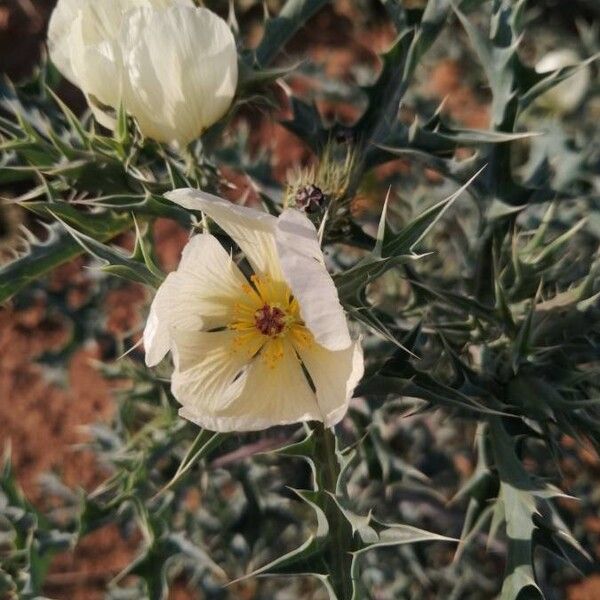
{"x":478,"y":417}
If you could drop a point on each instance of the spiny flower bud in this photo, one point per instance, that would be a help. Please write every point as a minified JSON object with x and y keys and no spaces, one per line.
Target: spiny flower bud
{"x":323,"y":185}
{"x":310,"y":198}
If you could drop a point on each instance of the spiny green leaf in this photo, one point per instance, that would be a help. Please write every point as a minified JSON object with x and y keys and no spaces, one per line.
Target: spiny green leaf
{"x":72,"y":120}
{"x":41,"y":256}
{"x":307,"y":125}
{"x":522,"y":343}
{"x":306,"y":449}
{"x":307,"y":559}
{"x":278,"y":31}
{"x":385,"y":94}
{"x":99,"y":224}
{"x":497,"y":57}
{"x":468,"y":305}
{"x":404,"y":241}
{"x":153,"y":563}
{"x":390,"y":250}
{"x":252,"y":79}
{"x":431,"y":24}
{"x":115,"y":261}
{"x":415,"y":384}
{"x":397,"y":534}
{"x":460,"y":136}
{"x":517,"y":505}
{"x":205,"y":442}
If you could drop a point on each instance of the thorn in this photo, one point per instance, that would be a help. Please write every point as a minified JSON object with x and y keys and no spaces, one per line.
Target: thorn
{"x":127,"y":352}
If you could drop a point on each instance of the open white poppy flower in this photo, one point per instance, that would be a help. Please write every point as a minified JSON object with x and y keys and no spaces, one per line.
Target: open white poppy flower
{"x":172,"y":65}
{"x":252,"y":353}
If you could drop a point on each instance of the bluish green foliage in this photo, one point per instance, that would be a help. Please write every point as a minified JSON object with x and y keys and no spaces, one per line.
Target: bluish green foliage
{"x":480,"y":305}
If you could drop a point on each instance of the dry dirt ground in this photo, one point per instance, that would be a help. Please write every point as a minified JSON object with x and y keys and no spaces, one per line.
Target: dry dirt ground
{"x":42,"y":419}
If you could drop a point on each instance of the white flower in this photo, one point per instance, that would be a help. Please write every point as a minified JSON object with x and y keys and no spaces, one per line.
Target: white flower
{"x":172,"y":65}
{"x":181,"y":69}
{"x":567,"y":95}
{"x":250,"y":354}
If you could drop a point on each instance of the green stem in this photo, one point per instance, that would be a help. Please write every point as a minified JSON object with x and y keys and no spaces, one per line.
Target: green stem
{"x":328,"y":467}
{"x":339,"y":559}
{"x":191,"y":164}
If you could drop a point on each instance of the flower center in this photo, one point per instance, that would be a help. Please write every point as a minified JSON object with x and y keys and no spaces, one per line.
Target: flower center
{"x":267,"y":322}
{"x":270,"y":320}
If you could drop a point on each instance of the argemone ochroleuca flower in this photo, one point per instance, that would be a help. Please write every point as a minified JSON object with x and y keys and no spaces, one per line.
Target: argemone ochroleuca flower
{"x":250,"y":353}
{"x":566,"y":96}
{"x":172,"y":66}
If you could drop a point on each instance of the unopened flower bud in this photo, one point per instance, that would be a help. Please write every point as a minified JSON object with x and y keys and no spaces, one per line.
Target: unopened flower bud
{"x":171,"y":65}
{"x":310,"y":199}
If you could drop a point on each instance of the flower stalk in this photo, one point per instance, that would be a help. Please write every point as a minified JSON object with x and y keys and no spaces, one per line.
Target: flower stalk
{"x":339,"y":557}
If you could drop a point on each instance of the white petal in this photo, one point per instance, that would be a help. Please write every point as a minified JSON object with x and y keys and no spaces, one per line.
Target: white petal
{"x":97,"y":65}
{"x":206,"y":369}
{"x":270,"y":396}
{"x":335,"y":375}
{"x":252,"y":230}
{"x":82,"y":36}
{"x":181,"y":67}
{"x":81,"y":40}
{"x":157,"y":338}
{"x":304,"y":270}
{"x":162,"y":3}
{"x":59,"y":34}
{"x":199,"y":295}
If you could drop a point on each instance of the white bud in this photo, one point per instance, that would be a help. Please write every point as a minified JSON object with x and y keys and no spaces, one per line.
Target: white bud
{"x":173,"y":66}
{"x":567,"y":95}
{"x":180,"y":65}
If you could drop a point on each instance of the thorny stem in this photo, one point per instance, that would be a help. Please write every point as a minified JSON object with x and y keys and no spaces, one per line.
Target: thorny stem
{"x":327,"y":466}
{"x":191,"y":164}
{"x":339,"y":559}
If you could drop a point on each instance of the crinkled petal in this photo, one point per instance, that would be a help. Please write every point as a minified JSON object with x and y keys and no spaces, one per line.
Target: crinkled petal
{"x":82,"y":43}
{"x":97,"y":66}
{"x":200,"y":295}
{"x":157,"y":339}
{"x":181,"y":66}
{"x":207,"y":369}
{"x":304,"y":270}
{"x":59,"y":36}
{"x":82,"y":36}
{"x":162,"y":3}
{"x":252,"y":230}
{"x":268,"y":396}
{"x":334,"y":375}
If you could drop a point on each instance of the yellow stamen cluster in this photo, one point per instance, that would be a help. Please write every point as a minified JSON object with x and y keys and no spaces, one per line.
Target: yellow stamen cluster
{"x":265,"y":318}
